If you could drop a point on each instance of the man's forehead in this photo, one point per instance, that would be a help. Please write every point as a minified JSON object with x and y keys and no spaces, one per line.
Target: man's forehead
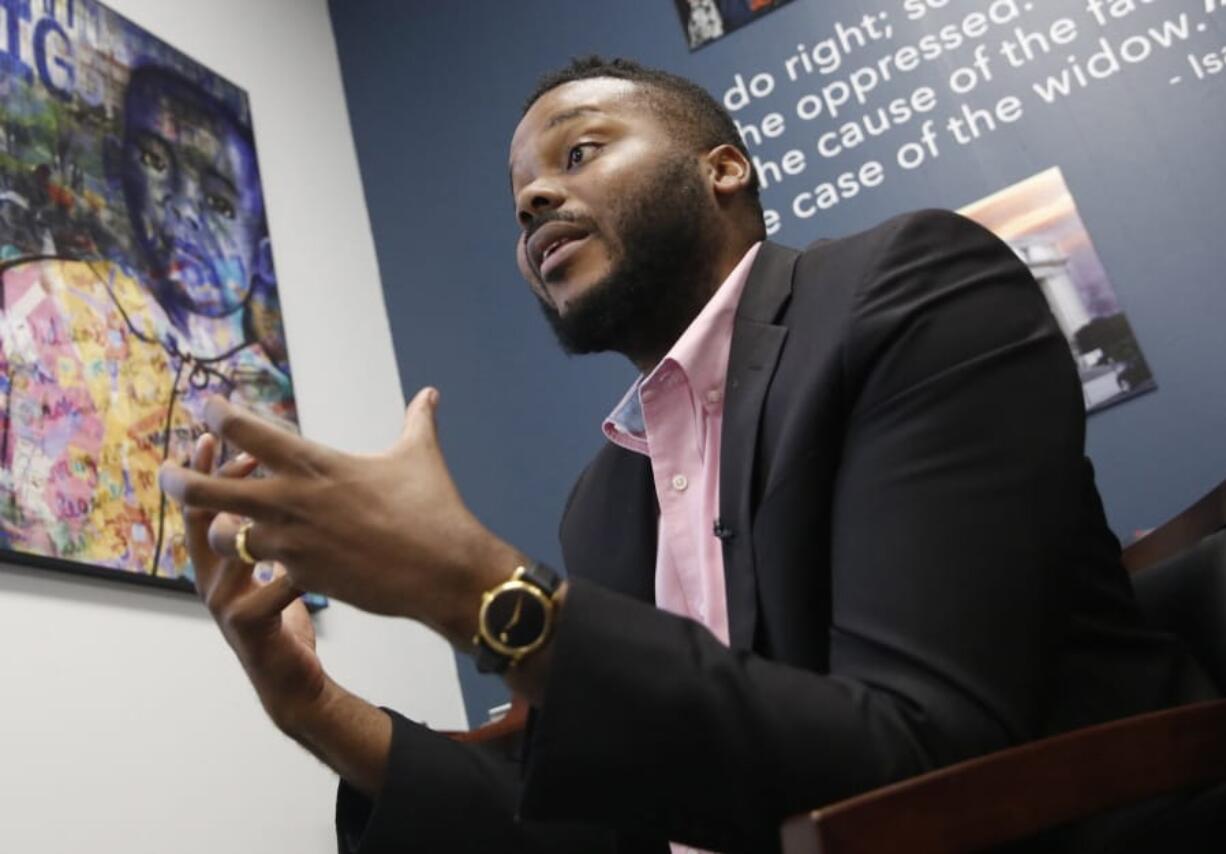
{"x":191,"y":127}
{"x":595,"y":95}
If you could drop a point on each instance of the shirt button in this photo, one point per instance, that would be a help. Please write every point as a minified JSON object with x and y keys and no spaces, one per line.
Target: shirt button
{"x":680,"y":482}
{"x":714,"y":396}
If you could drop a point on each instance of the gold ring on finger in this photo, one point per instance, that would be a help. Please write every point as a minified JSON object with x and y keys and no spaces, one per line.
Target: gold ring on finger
{"x":240,"y":543}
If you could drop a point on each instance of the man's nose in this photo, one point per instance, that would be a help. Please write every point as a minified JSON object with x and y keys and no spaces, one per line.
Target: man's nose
{"x":184,"y":204}
{"x":186,"y":214}
{"x":536,"y":198}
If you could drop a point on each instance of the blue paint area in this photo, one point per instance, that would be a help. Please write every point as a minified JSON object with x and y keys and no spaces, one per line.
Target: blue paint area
{"x":52,"y":56}
{"x":56,"y":72}
{"x":15,"y":11}
{"x":191,"y":182}
{"x":434,"y":96}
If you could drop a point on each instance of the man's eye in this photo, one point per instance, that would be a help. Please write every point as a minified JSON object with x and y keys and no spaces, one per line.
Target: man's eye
{"x":152,"y":160}
{"x":579,"y":154}
{"x":220,"y":205}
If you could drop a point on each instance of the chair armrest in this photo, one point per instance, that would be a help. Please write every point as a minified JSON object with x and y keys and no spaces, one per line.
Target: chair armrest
{"x":500,"y":733}
{"x":1019,"y":792}
{"x":1180,"y":533}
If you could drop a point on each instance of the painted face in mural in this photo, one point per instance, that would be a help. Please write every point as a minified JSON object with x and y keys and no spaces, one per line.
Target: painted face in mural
{"x":193,"y":193}
{"x":618,"y":224}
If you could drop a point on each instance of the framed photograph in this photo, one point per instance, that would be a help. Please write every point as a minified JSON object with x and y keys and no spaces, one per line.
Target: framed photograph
{"x":705,"y":21}
{"x":1038,"y":218}
{"x":136,"y":281}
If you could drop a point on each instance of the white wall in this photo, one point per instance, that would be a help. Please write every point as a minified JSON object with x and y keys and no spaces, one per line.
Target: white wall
{"x":125,"y":724}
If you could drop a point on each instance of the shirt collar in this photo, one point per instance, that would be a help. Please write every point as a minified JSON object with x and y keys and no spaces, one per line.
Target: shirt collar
{"x":701,"y":353}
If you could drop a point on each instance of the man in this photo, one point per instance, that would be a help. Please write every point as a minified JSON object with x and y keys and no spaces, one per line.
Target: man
{"x":843,"y":532}
{"x":108,"y":364}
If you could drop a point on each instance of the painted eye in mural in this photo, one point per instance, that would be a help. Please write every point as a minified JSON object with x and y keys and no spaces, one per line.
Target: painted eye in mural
{"x":151,"y":159}
{"x":220,"y":205}
{"x":579,"y":154}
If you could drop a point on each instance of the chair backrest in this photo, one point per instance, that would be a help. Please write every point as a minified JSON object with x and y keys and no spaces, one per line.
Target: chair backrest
{"x":1179,"y":574}
{"x":1186,"y":596}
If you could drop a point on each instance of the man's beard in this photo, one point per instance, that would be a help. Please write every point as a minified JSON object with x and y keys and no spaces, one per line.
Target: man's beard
{"x":668,"y":235}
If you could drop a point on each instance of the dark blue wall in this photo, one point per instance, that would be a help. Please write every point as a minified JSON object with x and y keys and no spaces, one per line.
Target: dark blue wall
{"x":434,"y":92}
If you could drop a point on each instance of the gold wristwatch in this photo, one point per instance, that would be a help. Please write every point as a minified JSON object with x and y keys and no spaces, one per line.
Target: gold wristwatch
{"x":516,"y":617}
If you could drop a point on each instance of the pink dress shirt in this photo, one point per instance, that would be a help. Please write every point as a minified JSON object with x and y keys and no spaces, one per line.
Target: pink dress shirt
{"x":673,"y":416}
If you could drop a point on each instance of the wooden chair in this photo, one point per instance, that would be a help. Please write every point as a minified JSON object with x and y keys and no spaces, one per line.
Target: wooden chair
{"x":1018,"y":793}
{"x":1179,"y":572}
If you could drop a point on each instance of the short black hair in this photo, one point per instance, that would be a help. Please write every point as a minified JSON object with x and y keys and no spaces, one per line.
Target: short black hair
{"x":150,"y":78}
{"x":701,"y":120}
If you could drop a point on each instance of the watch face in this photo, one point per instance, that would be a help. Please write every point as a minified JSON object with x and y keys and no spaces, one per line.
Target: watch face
{"x":516,"y":617}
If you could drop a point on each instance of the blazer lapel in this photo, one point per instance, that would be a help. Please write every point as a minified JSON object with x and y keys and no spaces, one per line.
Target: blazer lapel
{"x":756,"y":344}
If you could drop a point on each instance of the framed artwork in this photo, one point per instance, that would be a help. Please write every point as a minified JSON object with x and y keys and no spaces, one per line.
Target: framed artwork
{"x":1038,"y":218}
{"x":705,"y":21}
{"x":136,"y":281}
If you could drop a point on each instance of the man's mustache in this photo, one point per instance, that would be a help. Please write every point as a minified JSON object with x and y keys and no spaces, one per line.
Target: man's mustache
{"x":544,"y":219}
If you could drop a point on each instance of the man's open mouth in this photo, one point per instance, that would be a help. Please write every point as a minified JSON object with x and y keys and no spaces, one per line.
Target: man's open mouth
{"x":549,"y":250}
{"x":553,"y":243}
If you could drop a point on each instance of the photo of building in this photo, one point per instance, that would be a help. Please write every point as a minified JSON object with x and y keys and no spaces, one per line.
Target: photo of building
{"x":1038,"y":218}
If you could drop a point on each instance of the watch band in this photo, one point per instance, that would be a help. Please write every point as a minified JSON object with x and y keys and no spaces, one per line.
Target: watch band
{"x":488,"y":655}
{"x":543,"y":577}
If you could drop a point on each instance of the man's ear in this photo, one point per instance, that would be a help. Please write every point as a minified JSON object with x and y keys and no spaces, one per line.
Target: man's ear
{"x":729,"y":170}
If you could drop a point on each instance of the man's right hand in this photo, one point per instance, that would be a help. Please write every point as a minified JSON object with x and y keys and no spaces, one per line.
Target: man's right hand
{"x":271,"y":632}
{"x":265,"y":623}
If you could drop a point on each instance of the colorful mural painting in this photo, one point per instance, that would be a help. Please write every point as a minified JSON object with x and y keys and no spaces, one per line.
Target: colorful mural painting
{"x":136,"y":281}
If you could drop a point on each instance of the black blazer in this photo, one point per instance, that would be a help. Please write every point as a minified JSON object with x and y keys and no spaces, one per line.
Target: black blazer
{"x":917,"y":565}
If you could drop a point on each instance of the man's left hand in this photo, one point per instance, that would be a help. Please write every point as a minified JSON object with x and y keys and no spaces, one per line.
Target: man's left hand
{"x":387,"y":532}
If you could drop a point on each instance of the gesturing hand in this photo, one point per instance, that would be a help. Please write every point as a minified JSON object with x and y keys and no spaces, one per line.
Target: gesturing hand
{"x":387,"y":532}
{"x":267,"y":625}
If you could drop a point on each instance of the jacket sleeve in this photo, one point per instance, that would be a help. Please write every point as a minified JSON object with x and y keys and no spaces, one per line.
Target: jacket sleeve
{"x":961,"y":449}
{"x":443,"y":796}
